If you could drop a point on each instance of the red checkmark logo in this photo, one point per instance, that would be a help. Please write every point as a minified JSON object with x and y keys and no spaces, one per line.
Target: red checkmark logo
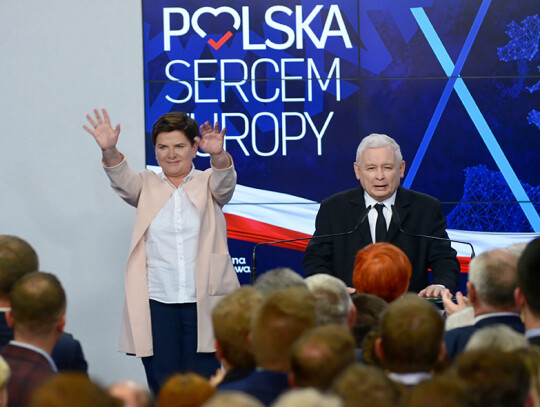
{"x":223,"y":40}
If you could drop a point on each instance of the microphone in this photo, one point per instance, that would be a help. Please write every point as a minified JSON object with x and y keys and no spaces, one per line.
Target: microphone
{"x":397,"y":220}
{"x":359,"y":221}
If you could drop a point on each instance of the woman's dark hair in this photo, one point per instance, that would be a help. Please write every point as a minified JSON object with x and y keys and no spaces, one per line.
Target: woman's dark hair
{"x":175,"y":121}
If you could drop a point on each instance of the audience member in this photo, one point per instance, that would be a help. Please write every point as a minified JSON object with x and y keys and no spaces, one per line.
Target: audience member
{"x":21,"y":253}
{"x":464,"y":316}
{"x":410,"y":344}
{"x":18,"y":258}
{"x":278,"y":278}
{"x":282,"y":317}
{"x":333,"y":303}
{"x":319,"y":355}
{"x":382,"y":269}
{"x":37,"y":315}
{"x":185,"y":390}
{"x":445,"y":390}
{"x":491,"y":285}
{"x":367,"y":354}
{"x":131,"y":394}
{"x":369,"y":310}
{"x":231,"y":319}
{"x":528,"y":292}
{"x":497,"y":336}
{"x":459,"y":311}
{"x":495,"y":378}
{"x":307,"y":398}
{"x":233,"y":399}
{"x":516,"y":249}
{"x":366,"y":386}
{"x":5,"y":374}
{"x":531,"y":358}
{"x":68,"y":389}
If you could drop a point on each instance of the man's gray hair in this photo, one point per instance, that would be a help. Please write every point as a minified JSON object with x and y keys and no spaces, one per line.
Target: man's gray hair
{"x":276,"y":279}
{"x":333,"y":302}
{"x":494,"y":277}
{"x":498,"y":336}
{"x":376,"y":140}
{"x":516,"y":248}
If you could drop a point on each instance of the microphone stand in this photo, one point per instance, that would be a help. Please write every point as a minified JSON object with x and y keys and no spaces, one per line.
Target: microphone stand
{"x":359,"y":221}
{"x":398,"y":222}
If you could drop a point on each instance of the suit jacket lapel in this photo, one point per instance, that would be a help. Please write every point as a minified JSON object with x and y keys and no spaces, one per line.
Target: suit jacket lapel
{"x":402,"y":205}
{"x":357,"y":201}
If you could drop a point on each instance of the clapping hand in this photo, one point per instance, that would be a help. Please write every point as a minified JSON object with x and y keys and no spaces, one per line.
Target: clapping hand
{"x":449,"y":306}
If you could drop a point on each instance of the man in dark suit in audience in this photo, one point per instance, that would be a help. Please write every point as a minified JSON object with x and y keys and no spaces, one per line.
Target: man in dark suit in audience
{"x":231,"y":320}
{"x":333,"y":303}
{"x":320,"y":355}
{"x":496,"y":378}
{"x":38,"y":316}
{"x":281,"y":318}
{"x":410,"y":345}
{"x":18,"y":258}
{"x":491,"y":285}
{"x":527,"y":293}
{"x":379,"y":166}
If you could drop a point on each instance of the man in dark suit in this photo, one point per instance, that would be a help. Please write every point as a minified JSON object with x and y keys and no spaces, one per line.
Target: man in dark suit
{"x":17,"y":258}
{"x":320,"y":355}
{"x":527,"y":293}
{"x":491,"y":286}
{"x":410,"y":342}
{"x":231,"y":320}
{"x":379,"y":167}
{"x":37,"y":315}
{"x":280,"y":319}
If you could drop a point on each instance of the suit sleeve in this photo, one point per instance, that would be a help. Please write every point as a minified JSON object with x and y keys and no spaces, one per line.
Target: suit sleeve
{"x":68,"y":354}
{"x":441,"y":256}
{"x":318,"y":256}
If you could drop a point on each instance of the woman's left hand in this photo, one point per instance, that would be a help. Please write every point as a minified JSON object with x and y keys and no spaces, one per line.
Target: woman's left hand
{"x":211,"y":140}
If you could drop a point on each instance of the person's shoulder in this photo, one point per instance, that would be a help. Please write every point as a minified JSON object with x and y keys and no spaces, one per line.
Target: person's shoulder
{"x":21,"y":354}
{"x":417,"y":197}
{"x":353,"y":194}
{"x":239,"y":385}
{"x":459,"y":332}
{"x":67,"y":340}
{"x":146,"y":173}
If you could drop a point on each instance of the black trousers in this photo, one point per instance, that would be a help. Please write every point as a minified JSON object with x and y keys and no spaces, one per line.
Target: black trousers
{"x":174,"y":336}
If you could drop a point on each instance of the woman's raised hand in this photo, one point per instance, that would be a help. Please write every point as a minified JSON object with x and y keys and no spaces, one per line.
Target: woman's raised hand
{"x":101,"y":129}
{"x":211,"y":140}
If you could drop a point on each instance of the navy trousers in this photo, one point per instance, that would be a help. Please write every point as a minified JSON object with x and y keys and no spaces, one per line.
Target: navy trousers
{"x":174,"y":335}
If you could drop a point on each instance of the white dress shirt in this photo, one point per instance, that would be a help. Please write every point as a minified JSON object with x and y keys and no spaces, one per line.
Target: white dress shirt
{"x":171,"y":249}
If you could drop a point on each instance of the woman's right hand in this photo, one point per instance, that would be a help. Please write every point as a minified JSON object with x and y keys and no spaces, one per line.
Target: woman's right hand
{"x":101,"y":129}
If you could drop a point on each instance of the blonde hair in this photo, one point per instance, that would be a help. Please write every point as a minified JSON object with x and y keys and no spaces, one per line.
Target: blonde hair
{"x":5,"y":373}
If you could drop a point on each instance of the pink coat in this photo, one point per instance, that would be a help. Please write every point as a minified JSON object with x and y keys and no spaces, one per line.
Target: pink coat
{"x":214,"y":273}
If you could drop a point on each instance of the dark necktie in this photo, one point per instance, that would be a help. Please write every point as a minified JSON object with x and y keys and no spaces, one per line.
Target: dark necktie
{"x":380,"y":226}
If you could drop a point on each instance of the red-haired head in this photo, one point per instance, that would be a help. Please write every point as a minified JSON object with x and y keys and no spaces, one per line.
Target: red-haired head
{"x":382,"y":269}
